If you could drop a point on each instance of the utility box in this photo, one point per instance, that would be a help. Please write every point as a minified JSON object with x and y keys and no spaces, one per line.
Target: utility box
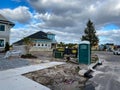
{"x":84,"y":52}
{"x":58,"y":54}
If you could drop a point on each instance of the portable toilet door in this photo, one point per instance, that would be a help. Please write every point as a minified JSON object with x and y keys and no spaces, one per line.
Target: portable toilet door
{"x":84,"y":52}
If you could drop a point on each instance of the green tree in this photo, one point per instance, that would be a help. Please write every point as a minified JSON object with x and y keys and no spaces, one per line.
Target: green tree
{"x":28,"y":42}
{"x":7,"y":47}
{"x":90,"y":34}
{"x":70,"y":45}
{"x":61,"y":44}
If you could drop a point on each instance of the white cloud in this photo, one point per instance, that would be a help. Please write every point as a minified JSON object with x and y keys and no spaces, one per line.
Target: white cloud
{"x":110,"y":36}
{"x":20,"y":33}
{"x":68,"y":18}
{"x":20,"y":14}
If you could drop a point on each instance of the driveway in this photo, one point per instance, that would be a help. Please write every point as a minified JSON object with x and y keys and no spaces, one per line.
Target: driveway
{"x":107,"y":75}
{"x":9,"y":63}
{"x":12,"y":79}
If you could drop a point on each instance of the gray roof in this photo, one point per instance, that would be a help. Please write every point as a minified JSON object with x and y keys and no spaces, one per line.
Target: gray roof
{"x":38,"y":35}
{"x":5,"y":21}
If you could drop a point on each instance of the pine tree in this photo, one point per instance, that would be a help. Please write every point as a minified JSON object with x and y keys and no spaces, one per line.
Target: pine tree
{"x":90,"y":34}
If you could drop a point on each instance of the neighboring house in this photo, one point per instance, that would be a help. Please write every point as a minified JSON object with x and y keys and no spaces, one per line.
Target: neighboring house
{"x":101,"y":47}
{"x":41,"y":41}
{"x":116,"y":47}
{"x":5,"y":27}
{"x":109,"y":46}
{"x":96,"y":47}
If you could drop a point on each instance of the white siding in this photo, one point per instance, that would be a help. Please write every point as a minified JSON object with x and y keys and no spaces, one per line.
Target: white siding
{"x":46,"y":46}
{"x":5,"y":34}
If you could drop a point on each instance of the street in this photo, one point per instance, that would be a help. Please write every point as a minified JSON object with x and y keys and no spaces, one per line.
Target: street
{"x":108,"y":56}
{"x":106,"y":76}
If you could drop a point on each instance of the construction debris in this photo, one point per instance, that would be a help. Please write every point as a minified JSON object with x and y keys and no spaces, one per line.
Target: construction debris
{"x":62,"y":77}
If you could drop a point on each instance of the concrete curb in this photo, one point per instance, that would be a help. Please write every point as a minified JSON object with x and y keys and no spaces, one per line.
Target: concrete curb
{"x":91,"y":68}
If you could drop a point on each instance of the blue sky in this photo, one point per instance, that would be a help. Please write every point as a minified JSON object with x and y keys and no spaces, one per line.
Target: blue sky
{"x":66,"y":18}
{"x":110,"y":27}
{"x":13,"y":3}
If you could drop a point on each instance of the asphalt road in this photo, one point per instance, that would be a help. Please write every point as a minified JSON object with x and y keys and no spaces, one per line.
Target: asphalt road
{"x":108,"y":56}
{"x":107,"y":75}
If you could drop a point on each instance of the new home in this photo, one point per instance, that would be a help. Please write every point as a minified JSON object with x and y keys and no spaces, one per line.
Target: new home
{"x":41,"y":41}
{"x":5,"y":27}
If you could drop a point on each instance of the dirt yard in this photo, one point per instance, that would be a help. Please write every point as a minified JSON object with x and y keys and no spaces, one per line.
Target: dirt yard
{"x":62,"y":77}
{"x":45,"y":56}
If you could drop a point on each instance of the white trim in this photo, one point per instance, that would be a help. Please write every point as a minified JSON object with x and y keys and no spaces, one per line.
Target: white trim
{"x":84,"y":42}
{"x":4,"y":42}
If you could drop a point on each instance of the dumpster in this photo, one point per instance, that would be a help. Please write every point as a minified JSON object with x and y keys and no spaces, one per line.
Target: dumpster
{"x":58,"y":54}
{"x":67,"y":51}
{"x":84,"y":52}
{"x":60,"y":49}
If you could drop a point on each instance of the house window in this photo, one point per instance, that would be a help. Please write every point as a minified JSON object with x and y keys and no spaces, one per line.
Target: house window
{"x":38,"y":44}
{"x":46,"y":45}
{"x":2,"y":42}
{"x":2,"y":27}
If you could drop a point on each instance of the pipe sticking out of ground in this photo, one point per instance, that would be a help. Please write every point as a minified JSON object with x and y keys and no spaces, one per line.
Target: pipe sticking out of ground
{"x":92,"y":69}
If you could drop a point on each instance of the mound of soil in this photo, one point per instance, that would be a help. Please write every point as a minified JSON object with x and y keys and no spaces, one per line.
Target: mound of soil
{"x":62,"y":77}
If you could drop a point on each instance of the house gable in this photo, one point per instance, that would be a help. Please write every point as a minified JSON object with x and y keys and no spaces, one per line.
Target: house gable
{"x":40,"y":42}
{"x":39,"y":35}
{"x":36,"y":37}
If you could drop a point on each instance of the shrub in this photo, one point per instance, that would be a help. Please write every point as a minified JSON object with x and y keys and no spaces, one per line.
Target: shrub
{"x":7,"y":47}
{"x":28,"y":56}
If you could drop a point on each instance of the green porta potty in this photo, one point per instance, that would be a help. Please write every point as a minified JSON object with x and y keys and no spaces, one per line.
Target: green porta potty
{"x":84,"y":52}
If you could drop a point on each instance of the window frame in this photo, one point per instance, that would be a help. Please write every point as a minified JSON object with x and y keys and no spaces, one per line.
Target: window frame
{"x":4,"y":27}
{"x":42,"y":45}
{"x":46,"y":44}
{"x":4,"y":42}
{"x":38,"y":45}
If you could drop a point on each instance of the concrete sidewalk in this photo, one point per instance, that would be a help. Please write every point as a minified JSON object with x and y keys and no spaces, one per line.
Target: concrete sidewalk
{"x":12,"y":80}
